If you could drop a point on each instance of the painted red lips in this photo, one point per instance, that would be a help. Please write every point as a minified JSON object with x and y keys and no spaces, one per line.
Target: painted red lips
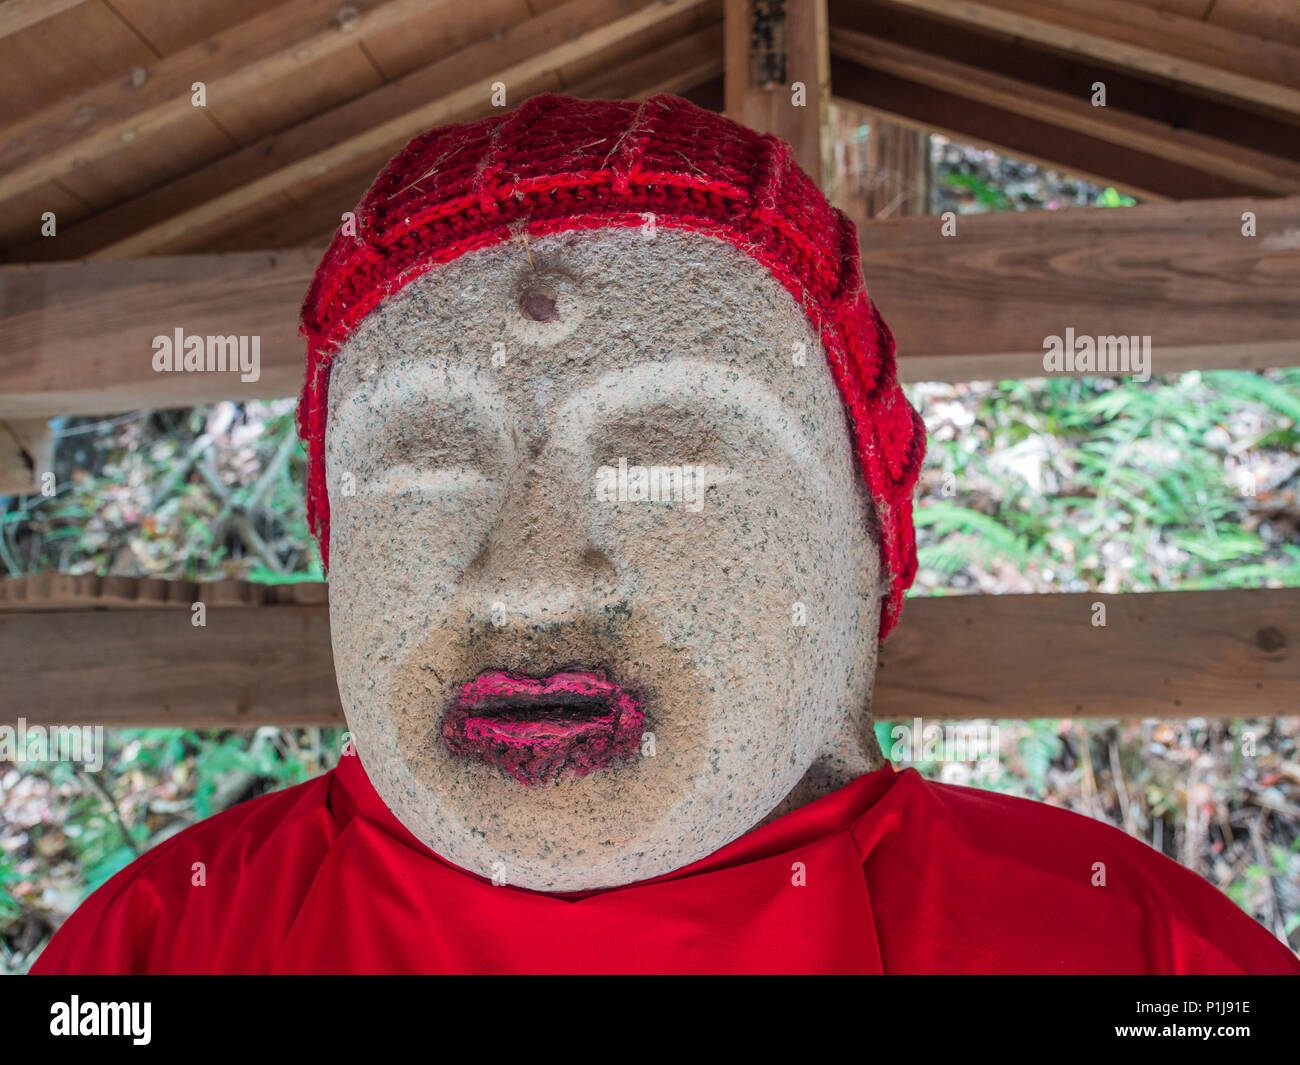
{"x":537,"y":729}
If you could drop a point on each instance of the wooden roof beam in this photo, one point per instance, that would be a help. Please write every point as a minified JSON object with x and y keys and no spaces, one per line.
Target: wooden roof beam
{"x":250,"y":56}
{"x":972,"y":121}
{"x":17,"y":15}
{"x":1249,"y":168}
{"x":450,"y":89}
{"x":1146,"y":40}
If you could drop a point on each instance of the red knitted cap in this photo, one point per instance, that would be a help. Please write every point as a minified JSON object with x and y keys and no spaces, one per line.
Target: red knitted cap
{"x":557,"y":163}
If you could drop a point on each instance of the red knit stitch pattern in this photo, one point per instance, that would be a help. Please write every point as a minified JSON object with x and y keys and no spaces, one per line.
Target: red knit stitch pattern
{"x":557,"y":163}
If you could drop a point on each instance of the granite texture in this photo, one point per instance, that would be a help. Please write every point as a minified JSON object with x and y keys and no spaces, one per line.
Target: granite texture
{"x":469,"y":420}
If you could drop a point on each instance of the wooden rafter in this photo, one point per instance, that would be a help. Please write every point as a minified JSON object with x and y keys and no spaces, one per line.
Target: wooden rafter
{"x":1210,"y":155}
{"x":1158,"y":43}
{"x":17,"y":15}
{"x":451,"y":89}
{"x":1034,"y":140}
{"x":250,"y":56}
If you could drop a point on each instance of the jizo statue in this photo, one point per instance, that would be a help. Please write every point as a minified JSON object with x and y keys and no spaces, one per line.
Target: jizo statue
{"x":608,"y":591}
{"x":614,"y":477}
{"x":601,"y":608}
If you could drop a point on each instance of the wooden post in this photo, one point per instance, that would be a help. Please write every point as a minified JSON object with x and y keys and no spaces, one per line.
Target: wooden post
{"x":26,"y":452}
{"x":778,"y":74}
{"x":898,"y":166}
{"x":885,"y":174}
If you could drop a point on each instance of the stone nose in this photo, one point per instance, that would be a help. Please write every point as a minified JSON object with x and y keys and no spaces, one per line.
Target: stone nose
{"x":541,"y":564}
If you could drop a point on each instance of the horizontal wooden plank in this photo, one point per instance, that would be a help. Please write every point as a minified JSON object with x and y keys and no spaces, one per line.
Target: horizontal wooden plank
{"x":1162,"y":654}
{"x":1167,"y":654}
{"x":76,"y":338}
{"x":242,"y":669}
{"x":980,"y":304}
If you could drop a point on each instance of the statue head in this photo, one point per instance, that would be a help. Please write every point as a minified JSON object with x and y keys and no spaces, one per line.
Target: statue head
{"x":612,"y":473}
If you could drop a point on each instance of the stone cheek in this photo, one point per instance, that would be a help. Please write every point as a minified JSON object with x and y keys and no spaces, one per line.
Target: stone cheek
{"x":610,"y":460}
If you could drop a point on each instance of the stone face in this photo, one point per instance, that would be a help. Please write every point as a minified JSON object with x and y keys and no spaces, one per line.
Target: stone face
{"x":482,"y":550}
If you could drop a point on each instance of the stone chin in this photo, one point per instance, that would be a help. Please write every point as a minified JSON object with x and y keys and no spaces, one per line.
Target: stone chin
{"x":562,"y":680}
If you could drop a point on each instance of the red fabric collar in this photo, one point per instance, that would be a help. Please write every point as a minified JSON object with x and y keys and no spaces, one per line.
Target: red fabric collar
{"x":797,"y":882}
{"x":352,"y":795}
{"x":890,"y":872}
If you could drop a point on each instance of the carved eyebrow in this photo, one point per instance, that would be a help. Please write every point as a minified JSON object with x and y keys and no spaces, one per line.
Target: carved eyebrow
{"x":692,"y":381}
{"x":405,"y":388}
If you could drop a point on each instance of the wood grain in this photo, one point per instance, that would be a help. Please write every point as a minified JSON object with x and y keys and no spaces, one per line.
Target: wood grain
{"x":1072,"y":111}
{"x":1160,"y":43}
{"x":1167,"y":654}
{"x":240,"y":61}
{"x":75,"y":338}
{"x":450,"y":89}
{"x":807,"y":60}
{"x":979,"y":305}
{"x":1055,"y":147}
{"x":1163,"y":654}
{"x":49,"y":591}
{"x":17,"y":15}
{"x":154,"y":668}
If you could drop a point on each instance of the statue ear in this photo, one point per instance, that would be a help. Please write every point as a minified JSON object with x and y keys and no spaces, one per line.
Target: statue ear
{"x":871,"y":543}
{"x":885,"y":587}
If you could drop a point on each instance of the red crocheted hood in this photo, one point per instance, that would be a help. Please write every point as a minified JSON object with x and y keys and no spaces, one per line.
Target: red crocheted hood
{"x":557,"y":163}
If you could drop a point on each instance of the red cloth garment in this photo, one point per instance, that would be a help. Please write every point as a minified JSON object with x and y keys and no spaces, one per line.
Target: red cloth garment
{"x":891,"y":873}
{"x":556,"y":163}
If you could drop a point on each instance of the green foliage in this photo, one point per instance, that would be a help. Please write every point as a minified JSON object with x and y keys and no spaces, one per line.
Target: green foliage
{"x":262,"y":575}
{"x":102,"y":842}
{"x":205,"y":494}
{"x":1112,"y":197}
{"x":9,"y":907}
{"x":989,"y":539}
{"x":263,"y":761}
{"x":1038,"y":748}
{"x":1118,"y":485}
{"x":987,"y":196}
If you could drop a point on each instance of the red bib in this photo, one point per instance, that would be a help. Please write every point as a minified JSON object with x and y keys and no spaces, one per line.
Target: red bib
{"x":891,"y":873}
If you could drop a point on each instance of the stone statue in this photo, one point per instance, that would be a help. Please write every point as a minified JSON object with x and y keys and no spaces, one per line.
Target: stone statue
{"x":613,"y":474}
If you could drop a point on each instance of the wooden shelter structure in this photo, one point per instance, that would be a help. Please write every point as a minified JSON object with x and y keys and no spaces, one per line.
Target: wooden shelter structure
{"x":183,"y":164}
